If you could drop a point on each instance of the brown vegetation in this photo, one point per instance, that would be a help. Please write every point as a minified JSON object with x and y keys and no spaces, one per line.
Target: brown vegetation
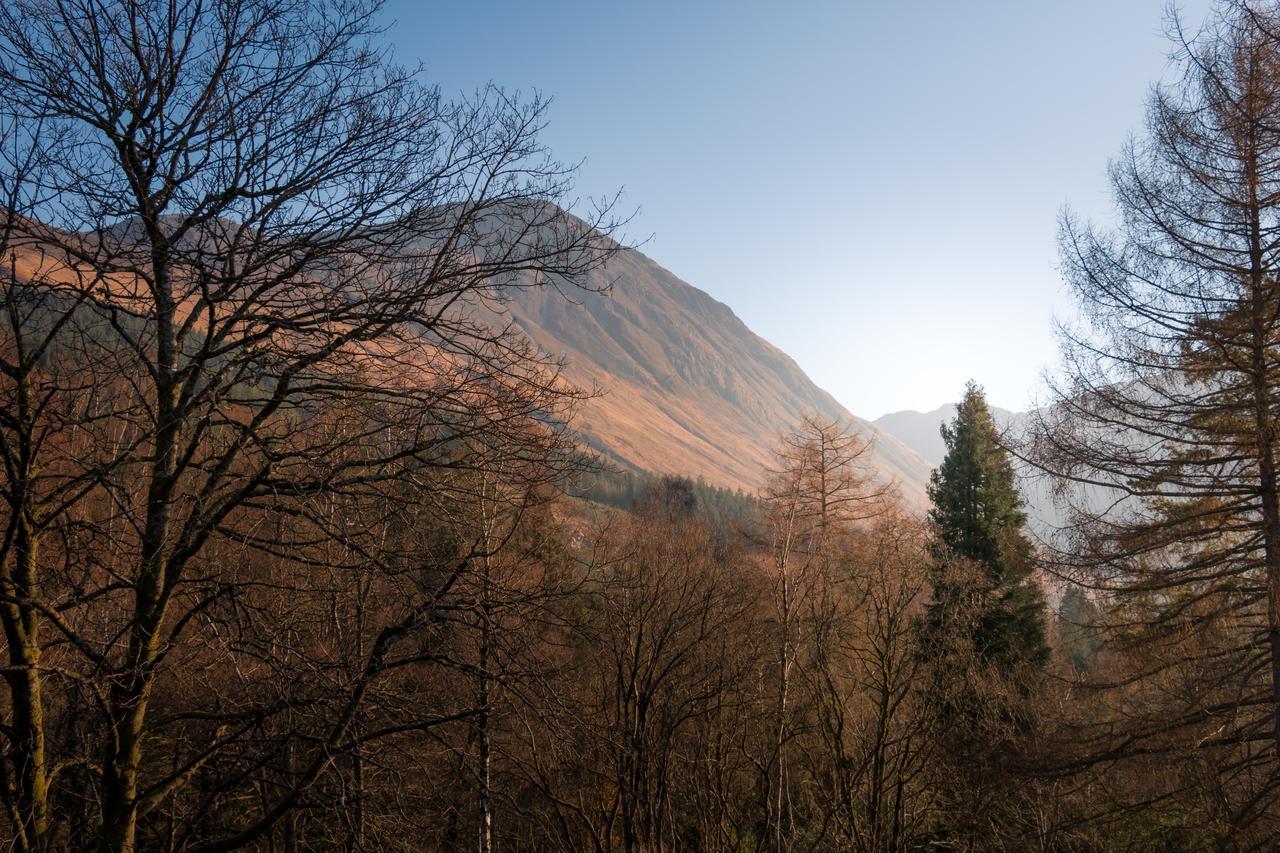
{"x":287,"y":563}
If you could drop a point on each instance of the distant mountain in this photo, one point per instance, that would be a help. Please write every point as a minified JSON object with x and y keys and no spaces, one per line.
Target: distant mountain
{"x":688,"y":388}
{"x":922,"y":431}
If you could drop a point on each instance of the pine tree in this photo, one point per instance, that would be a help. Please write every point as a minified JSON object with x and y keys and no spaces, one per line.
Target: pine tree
{"x":978,"y":516}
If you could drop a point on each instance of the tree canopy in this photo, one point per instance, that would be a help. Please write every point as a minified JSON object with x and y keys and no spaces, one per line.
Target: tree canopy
{"x":978,"y":515}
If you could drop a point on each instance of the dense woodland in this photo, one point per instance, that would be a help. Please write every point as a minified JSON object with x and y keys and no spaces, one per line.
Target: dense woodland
{"x":300,"y":554}
{"x":724,"y":509}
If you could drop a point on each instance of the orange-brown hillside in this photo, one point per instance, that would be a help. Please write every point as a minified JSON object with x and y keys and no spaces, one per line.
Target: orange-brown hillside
{"x":688,"y":388}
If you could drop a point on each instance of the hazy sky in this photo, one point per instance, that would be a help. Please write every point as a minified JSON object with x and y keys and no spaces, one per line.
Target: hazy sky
{"x":873,"y":187}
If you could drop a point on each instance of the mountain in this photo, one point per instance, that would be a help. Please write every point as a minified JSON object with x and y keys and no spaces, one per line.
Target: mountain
{"x":684,"y":386}
{"x":687,"y":387}
{"x":921,"y":431}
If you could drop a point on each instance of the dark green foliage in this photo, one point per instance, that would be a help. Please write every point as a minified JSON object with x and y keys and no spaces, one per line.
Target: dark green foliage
{"x":719,"y":507}
{"x":1078,"y":632}
{"x":977,"y":514}
{"x":670,"y":497}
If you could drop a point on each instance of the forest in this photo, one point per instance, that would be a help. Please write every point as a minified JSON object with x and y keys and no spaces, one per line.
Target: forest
{"x":301,"y":550}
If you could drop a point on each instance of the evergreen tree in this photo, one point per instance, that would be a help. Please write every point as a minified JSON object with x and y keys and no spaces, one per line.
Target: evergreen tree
{"x":1078,"y":628}
{"x":978,"y":516}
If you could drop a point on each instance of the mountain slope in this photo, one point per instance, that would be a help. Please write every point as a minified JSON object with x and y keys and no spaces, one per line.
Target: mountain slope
{"x":688,"y":388}
{"x":685,"y":387}
{"x":921,"y":431}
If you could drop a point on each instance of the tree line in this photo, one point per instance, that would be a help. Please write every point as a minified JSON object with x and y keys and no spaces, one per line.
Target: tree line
{"x":291,"y":553}
{"x":723,"y":508}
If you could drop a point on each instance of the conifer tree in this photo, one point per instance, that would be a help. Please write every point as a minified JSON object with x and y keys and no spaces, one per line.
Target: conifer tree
{"x":1166,"y":409}
{"x":978,"y":516}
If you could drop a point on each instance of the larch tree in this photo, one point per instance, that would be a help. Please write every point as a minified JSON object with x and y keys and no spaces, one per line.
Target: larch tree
{"x":873,"y":750}
{"x":1162,"y":432}
{"x":820,"y":489}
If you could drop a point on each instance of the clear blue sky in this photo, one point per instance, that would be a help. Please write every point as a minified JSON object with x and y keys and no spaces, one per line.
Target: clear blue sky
{"x":873,"y":187}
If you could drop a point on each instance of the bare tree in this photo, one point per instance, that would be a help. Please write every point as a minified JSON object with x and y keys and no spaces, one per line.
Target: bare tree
{"x":656,"y":664}
{"x":244,"y":251}
{"x":818,"y":491}
{"x":876,"y":759}
{"x":1168,"y":407}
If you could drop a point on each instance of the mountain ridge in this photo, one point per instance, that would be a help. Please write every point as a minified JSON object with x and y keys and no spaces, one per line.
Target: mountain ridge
{"x":689,"y":388}
{"x":921,"y":430}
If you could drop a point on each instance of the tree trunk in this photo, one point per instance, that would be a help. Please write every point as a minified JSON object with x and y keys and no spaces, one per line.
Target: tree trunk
{"x":27,"y":745}
{"x":132,"y":690}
